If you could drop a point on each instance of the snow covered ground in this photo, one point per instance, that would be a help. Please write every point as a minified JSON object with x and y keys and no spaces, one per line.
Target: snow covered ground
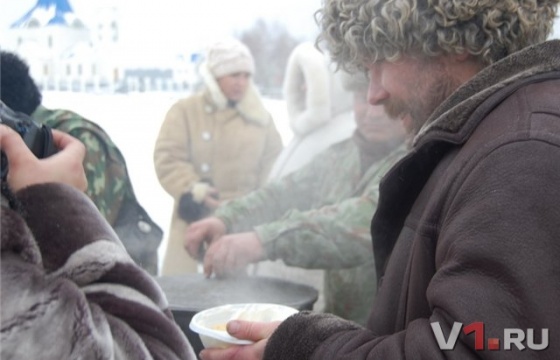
{"x":133,"y":122}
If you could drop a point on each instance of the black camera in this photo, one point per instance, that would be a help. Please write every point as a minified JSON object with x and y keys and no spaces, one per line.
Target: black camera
{"x":38,"y":138}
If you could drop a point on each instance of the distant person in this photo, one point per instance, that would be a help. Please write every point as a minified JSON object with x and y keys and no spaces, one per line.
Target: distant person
{"x":319,"y":108}
{"x":316,"y":217}
{"x":320,"y":115}
{"x":214,"y":145}
{"x":69,"y":288}
{"x":109,"y":185}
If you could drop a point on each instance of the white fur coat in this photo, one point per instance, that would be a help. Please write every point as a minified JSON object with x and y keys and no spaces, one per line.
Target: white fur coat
{"x":319,"y":108}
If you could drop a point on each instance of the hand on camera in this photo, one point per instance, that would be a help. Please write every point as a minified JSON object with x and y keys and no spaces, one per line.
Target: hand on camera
{"x":26,"y":170}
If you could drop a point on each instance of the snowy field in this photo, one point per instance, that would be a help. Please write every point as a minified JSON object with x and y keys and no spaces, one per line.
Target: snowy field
{"x":133,"y":122}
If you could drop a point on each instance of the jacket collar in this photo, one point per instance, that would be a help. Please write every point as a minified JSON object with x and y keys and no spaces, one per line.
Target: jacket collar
{"x":250,"y":107}
{"x":451,"y":124}
{"x":450,"y":121}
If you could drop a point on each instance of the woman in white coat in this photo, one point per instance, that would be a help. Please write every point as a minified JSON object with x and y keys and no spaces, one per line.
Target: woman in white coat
{"x":321,"y":114}
{"x":319,"y":108}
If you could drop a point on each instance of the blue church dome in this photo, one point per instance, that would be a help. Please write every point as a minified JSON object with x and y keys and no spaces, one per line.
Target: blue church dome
{"x":47,"y":13}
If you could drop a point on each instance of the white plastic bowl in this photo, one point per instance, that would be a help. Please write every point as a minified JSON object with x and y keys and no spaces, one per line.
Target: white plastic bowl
{"x":210,"y":324}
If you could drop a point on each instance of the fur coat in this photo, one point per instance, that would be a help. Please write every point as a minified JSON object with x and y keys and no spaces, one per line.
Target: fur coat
{"x":69,"y":290}
{"x":204,"y":140}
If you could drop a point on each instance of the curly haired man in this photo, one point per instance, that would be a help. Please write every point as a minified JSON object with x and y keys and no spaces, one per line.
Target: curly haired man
{"x":465,"y":235}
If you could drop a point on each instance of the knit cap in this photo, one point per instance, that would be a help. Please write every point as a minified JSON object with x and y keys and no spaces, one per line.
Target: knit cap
{"x":229,"y":56}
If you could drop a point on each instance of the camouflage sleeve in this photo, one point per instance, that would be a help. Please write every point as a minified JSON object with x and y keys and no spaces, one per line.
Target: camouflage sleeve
{"x":105,"y":176}
{"x":104,"y":165}
{"x":272,"y":201}
{"x":332,"y":236}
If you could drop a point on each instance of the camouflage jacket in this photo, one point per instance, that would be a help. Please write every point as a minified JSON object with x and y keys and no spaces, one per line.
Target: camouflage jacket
{"x":318,"y":218}
{"x":104,"y":165}
{"x":109,"y":186}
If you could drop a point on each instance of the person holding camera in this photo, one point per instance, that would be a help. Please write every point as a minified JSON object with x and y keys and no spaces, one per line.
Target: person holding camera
{"x":69,"y":288}
{"x":109,"y":185}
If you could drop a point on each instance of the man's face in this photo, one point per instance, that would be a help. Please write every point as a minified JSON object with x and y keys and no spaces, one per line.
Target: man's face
{"x":372,"y":121}
{"x":234,"y":86}
{"x":410,"y":89}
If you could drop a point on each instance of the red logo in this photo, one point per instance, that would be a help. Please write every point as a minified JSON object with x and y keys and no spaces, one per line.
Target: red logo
{"x":512,"y":337}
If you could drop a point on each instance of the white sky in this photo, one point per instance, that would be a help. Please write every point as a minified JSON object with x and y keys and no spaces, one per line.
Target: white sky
{"x":184,"y":23}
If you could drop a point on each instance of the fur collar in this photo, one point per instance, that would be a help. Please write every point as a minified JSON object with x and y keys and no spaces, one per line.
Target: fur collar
{"x":250,"y":107}
{"x":454,"y":113}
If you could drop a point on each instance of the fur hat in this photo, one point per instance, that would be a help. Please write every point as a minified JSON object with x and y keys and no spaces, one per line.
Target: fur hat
{"x":228,"y":57}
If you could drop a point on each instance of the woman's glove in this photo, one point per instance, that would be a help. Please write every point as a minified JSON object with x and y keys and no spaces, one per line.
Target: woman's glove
{"x":193,"y":205}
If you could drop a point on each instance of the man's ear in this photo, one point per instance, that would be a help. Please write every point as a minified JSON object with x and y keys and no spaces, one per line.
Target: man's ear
{"x":463,"y":66}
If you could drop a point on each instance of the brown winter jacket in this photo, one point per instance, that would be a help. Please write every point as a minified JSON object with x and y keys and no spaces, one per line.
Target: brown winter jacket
{"x":202,"y":138}
{"x":467,"y":228}
{"x":69,"y":290}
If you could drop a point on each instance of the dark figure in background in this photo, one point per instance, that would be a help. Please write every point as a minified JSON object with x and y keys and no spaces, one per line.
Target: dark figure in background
{"x":69,"y":289}
{"x":467,"y":227}
{"x":109,"y":185}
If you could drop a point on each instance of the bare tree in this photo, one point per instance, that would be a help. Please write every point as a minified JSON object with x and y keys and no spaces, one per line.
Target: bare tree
{"x":271,"y":44}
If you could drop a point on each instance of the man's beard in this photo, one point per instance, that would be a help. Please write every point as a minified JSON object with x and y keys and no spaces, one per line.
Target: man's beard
{"x":421,"y":107}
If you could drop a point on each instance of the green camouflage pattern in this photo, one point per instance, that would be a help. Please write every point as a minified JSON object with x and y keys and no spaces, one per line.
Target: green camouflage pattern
{"x":108,"y":183}
{"x":319,"y":218}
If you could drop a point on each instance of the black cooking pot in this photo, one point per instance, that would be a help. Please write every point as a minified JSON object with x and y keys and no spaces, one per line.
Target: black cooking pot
{"x":190,"y":293}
